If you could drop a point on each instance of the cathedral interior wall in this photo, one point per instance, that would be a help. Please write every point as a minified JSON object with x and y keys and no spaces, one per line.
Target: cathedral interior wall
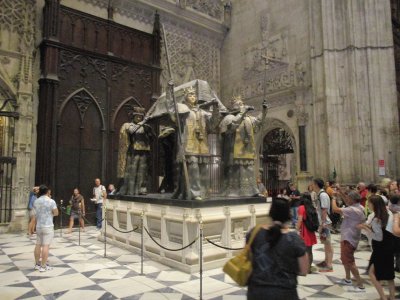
{"x":330,"y":68}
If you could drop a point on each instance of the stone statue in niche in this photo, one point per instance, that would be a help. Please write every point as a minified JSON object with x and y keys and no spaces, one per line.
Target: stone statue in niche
{"x":196,"y":123}
{"x":134,"y":152}
{"x":238,"y":150}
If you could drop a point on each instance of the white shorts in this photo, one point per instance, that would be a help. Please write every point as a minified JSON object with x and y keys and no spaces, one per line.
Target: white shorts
{"x":44,"y":236}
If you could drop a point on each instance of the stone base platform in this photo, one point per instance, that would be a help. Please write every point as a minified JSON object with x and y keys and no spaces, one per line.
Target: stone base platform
{"x":176,"y":223}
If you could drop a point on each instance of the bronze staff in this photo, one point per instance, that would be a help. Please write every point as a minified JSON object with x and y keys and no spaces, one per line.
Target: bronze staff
{"x":180,"y":142}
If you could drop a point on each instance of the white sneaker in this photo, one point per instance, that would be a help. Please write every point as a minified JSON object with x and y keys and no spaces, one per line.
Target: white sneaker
{"x":357,"y":289}
{"x":37,"y":267}
{"x":45,"y":268}
{"x":344,"y":282}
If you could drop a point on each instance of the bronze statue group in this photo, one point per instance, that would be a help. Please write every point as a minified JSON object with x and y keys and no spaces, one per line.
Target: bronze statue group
{"x":192,"y":120}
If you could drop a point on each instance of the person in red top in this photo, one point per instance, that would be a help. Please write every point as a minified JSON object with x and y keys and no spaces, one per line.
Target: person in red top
{"x":308,"y":236}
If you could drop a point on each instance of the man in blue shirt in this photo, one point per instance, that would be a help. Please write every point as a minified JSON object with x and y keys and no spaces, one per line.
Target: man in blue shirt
{"x":32,"y":219}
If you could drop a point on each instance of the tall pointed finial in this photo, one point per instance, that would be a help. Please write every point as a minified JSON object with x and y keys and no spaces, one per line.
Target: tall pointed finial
{"x":110,"y":10}
{"x":156,"y":25}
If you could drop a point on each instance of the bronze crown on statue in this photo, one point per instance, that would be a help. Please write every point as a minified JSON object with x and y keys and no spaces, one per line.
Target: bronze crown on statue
{"x":189,"y":90}
{"x":138,"y":111}
{"x":236,"y":101}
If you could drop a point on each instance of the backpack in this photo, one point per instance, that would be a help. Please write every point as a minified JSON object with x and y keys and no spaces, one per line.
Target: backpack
{"x":311,"y":221}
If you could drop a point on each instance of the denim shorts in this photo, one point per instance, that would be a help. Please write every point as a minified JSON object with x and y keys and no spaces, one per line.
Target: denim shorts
{"x":325,"y":235}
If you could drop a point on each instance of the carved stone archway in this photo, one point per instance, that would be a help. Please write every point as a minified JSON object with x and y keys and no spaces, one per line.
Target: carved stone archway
{"x":271,"y":125}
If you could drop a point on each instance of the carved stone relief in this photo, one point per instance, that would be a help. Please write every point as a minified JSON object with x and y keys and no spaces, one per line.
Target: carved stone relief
{"x":267,"y":66}
{"x":17,"y":22}
{"x":17,"y":52}
{"x":17,"y":15}
{"x":212,"y":8}
{"x":190,"y":58}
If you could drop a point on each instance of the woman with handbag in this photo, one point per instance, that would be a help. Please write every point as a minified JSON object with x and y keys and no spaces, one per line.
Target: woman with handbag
{"x":77,"y":210}
{"x":278,"y":257}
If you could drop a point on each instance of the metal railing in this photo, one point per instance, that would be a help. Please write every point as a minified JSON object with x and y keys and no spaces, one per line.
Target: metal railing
{"x":6,"y":178}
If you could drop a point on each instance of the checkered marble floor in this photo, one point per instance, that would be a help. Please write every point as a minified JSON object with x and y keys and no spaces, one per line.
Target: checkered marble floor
{"x":81,"y":271}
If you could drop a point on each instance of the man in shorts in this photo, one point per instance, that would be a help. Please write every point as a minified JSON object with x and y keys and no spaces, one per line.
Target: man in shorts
{"x":323,"y":209}
{"x":45,"y":209}
{"x":350,"y":234}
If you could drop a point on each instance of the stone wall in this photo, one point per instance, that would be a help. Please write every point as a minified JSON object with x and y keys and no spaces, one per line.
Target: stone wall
{"x":18,"y":82}
{"x":355,"y":116}
{"x":266,"y":54}
{"x":331,"y":64}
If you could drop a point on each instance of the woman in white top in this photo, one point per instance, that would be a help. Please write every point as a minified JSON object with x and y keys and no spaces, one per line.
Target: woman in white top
{"x":381,"y":265}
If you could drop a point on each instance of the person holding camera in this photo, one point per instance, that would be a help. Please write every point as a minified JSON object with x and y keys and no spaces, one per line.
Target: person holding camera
{"x":350,"y":234}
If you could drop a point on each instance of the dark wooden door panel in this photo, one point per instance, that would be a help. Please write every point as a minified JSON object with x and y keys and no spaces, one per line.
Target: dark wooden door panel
{"x":93,"y":72}
{"x":80,"y":140}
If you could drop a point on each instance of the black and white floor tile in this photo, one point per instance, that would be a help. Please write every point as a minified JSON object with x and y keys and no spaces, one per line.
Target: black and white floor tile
{"x":81,"y":272}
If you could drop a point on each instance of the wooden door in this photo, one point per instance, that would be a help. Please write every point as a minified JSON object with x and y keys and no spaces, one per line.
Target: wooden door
{"x":79,"y":149}
{"x":92,"y":70}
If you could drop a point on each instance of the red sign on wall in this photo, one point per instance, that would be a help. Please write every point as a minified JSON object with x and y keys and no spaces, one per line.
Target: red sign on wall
{"x":381,"y":167}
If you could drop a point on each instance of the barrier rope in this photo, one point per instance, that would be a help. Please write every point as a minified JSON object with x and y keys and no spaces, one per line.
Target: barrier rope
{"x":64,"y":209}
{"x":137,"y":227}
{"x":222,"y":247}
{"x":165,"y":248}
{"x":89,"y":223}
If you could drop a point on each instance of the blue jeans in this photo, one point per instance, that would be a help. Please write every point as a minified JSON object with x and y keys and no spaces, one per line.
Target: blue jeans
{"x":99,"y":215}
{"x":293,"y":211}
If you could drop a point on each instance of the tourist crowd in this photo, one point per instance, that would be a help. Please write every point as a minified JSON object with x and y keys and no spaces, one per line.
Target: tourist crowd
{"x":284,"y":249}
{"x":362,"y":211}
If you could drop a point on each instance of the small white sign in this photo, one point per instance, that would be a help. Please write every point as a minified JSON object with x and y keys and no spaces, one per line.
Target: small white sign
{"x":381,"y":168}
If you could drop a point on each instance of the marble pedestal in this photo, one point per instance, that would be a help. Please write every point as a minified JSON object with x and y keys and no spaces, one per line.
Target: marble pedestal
{"x":176,"y":223}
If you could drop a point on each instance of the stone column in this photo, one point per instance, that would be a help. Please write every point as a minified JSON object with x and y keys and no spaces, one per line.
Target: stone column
{"x":355,"y":119}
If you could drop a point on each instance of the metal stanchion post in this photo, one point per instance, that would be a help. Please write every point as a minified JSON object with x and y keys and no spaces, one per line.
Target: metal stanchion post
{"x":105,"y":229}
{"x":201,"y":259}
{"x":142,"y":244}
{"x":61,"y":213}
{"x":79,"y":224}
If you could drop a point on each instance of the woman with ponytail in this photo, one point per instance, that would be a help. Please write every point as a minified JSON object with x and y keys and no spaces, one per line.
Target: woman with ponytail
{"x":307,"y":215}
{"x":278,"y":256}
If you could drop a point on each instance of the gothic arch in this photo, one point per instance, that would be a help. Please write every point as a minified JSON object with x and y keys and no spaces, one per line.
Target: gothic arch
{"x":273,"y":123}
{"x":120,"y":106}
{"x":269,"y":125}
{"x":82,"y":105}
